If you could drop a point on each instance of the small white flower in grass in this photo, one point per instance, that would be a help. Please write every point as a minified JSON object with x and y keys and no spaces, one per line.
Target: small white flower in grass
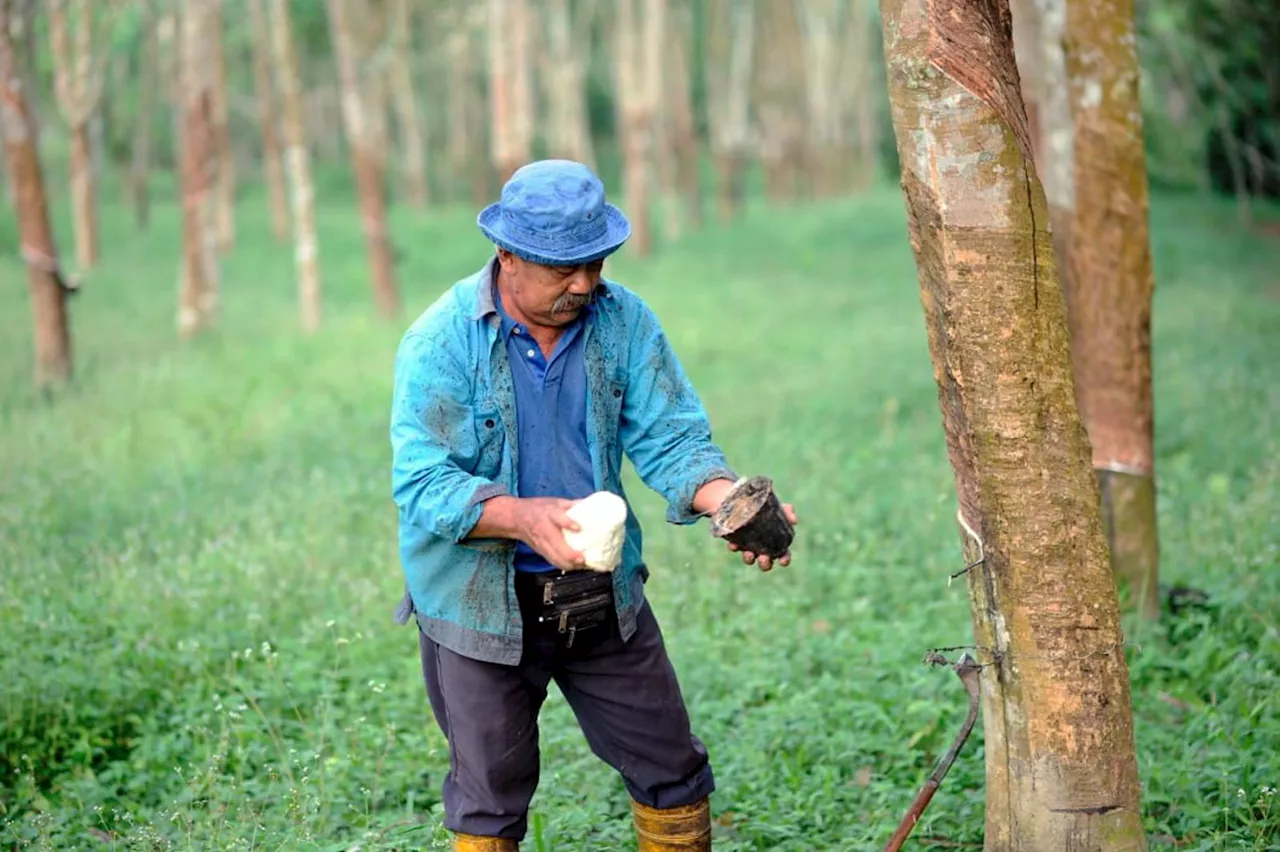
{"x":1239,"y":794}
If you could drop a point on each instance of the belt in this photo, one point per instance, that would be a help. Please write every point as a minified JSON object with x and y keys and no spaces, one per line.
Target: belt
{"x":568,"y":601}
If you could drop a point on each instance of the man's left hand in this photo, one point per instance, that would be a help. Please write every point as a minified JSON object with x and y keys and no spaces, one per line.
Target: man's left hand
{"x":766,"y":563}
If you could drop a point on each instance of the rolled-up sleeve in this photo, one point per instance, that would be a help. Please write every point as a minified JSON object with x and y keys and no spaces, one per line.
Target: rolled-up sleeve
{"x":665,"y":429}
{"x":433,"y":440}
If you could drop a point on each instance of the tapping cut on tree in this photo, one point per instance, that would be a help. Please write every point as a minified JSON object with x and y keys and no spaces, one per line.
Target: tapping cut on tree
{"x":1061,"y":772}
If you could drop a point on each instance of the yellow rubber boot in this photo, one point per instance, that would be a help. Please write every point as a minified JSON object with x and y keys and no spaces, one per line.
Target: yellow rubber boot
{"x":472,"y":843}
{"x":682,"y":829}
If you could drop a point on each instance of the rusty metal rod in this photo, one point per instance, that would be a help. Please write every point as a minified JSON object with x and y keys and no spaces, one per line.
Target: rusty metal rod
{"x":966,"y":668}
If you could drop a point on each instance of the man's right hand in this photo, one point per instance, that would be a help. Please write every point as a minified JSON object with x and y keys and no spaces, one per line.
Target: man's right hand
{"x":539,"y":522}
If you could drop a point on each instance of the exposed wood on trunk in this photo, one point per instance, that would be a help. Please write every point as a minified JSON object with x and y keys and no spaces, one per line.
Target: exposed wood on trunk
{"x":1111,"y":282}
{"x":268,"y":119}
{"x":731,"y":45}
{"x":511,"y":85}
{"x":148,"y":83}
{"x":226,"y":187}
{"x":198,"y":294}
{"x":413,"y":148}
{"x":364,"y":157}
{"x":53,"y":359}
{"x":1059,"y":744}
{"x":635,"y":125}
{"x":297,"y":161}
{"x":568,"y":131}
{"x":79,"y":71}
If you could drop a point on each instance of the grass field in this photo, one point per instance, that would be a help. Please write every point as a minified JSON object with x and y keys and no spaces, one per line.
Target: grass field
{"x":197,"y":550}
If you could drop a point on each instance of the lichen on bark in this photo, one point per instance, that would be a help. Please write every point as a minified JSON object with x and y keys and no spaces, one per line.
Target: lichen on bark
{"x":1061,"y":769}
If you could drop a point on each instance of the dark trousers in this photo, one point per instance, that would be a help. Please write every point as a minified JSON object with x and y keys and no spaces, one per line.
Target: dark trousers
{"x":625,"y":697}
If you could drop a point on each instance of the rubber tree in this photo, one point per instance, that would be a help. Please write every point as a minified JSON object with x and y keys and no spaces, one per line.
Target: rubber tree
{"x":1079,"y":76}
{"x":53,"y":360}
{"x":198,"y":171}
{"x":1061,"y":771}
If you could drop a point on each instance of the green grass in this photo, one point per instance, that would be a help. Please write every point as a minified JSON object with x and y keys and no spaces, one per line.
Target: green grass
{"x":197,"y":550}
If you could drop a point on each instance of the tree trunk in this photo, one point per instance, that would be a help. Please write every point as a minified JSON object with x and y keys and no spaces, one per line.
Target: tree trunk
{"x":510,"y":85}
{"x":858,"y":81}
{"x":364,"y":162}
{"x":684,"y":125}
{"x":569,"y":133}
{"x":148,"y":74}
{"x":1059,"y":744}
{"x":198,"y":296}
{"x":655,"y":76}
{"x":272,"y":170}
{"x":306,"y":248}
{"x":48,"y":295}
{"x":731,"y":44}
{"x":412,"y":145}
{"x":779,"y":101}
{"x":226,"y":188}
{"x":819,"y":35}
{"x":77,"y":77}
{"x":1111,"y":283}
{"x":636,"y":124}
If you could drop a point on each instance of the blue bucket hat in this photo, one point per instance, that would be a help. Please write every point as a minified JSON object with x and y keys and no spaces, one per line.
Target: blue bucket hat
{"x":553,"y":212}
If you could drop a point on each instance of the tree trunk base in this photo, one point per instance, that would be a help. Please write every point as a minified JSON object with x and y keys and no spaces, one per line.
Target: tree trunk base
{"x":1129,"y":517}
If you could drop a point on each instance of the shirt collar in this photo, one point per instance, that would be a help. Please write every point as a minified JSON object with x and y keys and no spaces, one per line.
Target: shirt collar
{"x":487,"y":303}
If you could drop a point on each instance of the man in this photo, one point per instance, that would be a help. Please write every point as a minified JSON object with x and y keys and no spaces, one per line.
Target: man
{"x":516,"y":393}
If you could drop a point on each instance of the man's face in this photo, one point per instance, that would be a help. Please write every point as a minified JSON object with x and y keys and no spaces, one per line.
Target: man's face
{"x":549,"y":296}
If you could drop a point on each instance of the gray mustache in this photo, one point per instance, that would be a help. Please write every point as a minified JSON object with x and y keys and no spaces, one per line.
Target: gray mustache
{"x":570,"y":301}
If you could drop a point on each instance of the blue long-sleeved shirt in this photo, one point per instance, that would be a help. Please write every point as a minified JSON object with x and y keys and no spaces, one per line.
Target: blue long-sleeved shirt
{"x":455,"y":443}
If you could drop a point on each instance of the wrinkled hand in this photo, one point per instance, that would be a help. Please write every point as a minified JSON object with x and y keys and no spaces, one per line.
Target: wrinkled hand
{"x":541,"y":522}
{"x":766,"y":563}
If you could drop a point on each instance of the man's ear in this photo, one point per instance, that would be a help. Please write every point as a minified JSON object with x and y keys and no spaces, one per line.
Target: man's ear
{"x":506,"y":260}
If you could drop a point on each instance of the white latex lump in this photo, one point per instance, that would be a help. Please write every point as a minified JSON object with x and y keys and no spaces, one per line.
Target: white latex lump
{"x":603,"y":518}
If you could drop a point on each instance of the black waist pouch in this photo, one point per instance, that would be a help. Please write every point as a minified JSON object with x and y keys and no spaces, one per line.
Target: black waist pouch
{"x":566,"y":602}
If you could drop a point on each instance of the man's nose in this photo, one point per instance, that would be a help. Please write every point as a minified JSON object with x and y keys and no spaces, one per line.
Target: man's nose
{"x":582,"y":281}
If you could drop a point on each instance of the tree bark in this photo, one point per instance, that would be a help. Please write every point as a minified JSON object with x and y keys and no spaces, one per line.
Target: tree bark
{"x":569,"y":133}
{"x":684,"y":124}
{"x":1110,"y":288}
{"x":819,"y":24}
{"x":198,"y":295}
{"x":148,"y":82}
{"x":412,"y":145}
{"x":636,"y":122}
{"x":656,"y":77}
{"x":297,"y":158}
{"x":779,"y":102}
{"x":78,"y":78}
{"x":226,"y":187}
{"x":267,"y":117}
{"x":52,"y":335}
{"x":510,"y":86}
{"x":364,"y":161}
{"x":1059,"y":744}
{"x":731,"y":45}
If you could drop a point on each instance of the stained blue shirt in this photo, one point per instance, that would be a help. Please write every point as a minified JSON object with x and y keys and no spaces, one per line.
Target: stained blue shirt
{"x":551,"y":419}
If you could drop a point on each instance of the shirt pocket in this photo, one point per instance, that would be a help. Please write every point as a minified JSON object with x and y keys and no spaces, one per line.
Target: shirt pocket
{"x":490,"y":438}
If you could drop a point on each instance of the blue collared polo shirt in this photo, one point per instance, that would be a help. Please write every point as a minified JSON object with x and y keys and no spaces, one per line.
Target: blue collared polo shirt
{"x":551,"y":418}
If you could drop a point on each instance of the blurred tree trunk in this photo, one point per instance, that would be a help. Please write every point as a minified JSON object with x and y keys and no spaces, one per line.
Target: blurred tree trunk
{"x":730,"y":47}
{"x":148,"y":82}
{"x":819,"y":22}
{"x":779,"y":100}
{"x":858,"y":82}
{"x":569,"y":131}
{"x":297,"y":160}
{"x":226,"y":187}
{"x":635,"y":112}
{"x":1110,"y":288}
{"x":364,"y":157}
{"x":684,"y":124}
{"x":268,"y":118}
{"x":657,"y":78}
{"x":198,"y":297}
{"x":511,"y":85}
{"x":1079,"y":70}
{"x":1060,"y":763}
{"x":412,"y":145}
{"x":79,"y":72}
{"x":53,"y":361}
